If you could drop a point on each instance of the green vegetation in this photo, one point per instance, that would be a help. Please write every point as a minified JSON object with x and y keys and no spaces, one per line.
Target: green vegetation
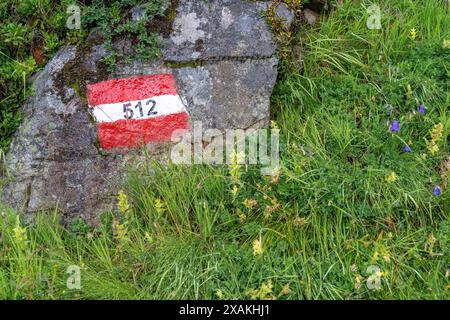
{"x":31,"y":31}
{"x":347,"y":195}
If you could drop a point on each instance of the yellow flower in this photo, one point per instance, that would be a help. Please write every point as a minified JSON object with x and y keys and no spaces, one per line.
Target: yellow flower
{"x":436,"y":137}
{"x":257,"y":247}
{"x":119,"y":231}
{"x":446,"y":44}
{"x":220,"y":294}
{"x":272,"y":208}
{"x":234,"y":191}
{"x":122,"y":203}
{"x":235,"y":166}
{"x":273,"y":124}
{"x":413,"y":33}
{"x":148,"y":237}
{"x":358,"y":280}
{"x":275,"y":178}
{"x":300,"y":221}
{"x":250,"y":203}
{"x":392,"y":177}
{"x":242,"y":216}
{"x":436,"y":133}
{"x":409,"y":91}
{"x":285,"y":290}
{"x":20,"y":236}
{"x":433,"y":148}
{"x":382,"y":274}
{"x":375,"y":256}
{"x":264,"y":292}
{"x":159,"y":206}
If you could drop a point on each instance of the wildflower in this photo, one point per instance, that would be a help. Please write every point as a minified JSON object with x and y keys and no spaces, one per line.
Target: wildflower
{"x":446,"y":44}
{"x":422,"y":109}
{"x":436,"y":137}
{"x":242,"y":216}
{"x":353,"y":268}
{"x":395,"y":126}
{"x":220,"y":295}
{"x":300,"y":221}
{"x":407,"y":149}
{"x":234,"y":167}
{"x":375,"y":256}
{"x":275,"y":177}
{"x":271,"y":208}
{"x":409,"y":92}
{"x":20,"y":236}
{"x":122,"y":203}
{"x":392,"y":177}
{"x":382,"y":274}
{"x":148,"y":237}
{"x":429,"y":244}
{"x":264,"y":292}
{"x":234,"y":191}
{"x":119,"y":231}
{"x":159,"y":206}
{"x":273,"y":124}
{"x":358,"y":280}
{"x":250,"y":203}
{"x":436,"y":133}
{"x":437,"y":191}
{"x":413,"y":33}
{"x":433,"y":148}
{"x":285,"y":290}
{"x":257,"y":247}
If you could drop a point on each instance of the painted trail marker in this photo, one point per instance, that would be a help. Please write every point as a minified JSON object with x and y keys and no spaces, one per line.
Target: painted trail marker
{"x":136,"y":111}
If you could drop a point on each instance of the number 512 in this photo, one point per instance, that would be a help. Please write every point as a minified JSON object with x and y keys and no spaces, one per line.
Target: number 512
{"x":130,"y":114}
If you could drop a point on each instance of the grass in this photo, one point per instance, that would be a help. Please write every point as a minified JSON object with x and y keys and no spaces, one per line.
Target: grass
{"x":347,"y":197}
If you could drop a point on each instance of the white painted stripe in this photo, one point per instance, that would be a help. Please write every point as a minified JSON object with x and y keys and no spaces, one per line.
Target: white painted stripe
{"x":138,"y":110}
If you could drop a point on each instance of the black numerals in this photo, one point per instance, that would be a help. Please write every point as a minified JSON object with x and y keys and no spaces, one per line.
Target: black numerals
{"x":152,"y":111}
{"x":139,"y":110}
{"x":128,"y":113}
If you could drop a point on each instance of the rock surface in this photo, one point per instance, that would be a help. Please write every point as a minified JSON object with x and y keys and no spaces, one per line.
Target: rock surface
{"x":310,"y":17}
{"x":287,"y":16}
{"x":54,"y":160}
{"x":219,"y":29}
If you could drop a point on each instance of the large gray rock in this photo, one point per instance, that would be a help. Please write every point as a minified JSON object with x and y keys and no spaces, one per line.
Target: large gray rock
{"x":217,"y":29}
{"x":228,"y":94}
{"x":55,"y":161}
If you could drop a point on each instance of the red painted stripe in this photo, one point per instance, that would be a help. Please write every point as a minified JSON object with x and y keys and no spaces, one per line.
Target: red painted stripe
{"x":136,"y":88}
{"x":135,"y":133}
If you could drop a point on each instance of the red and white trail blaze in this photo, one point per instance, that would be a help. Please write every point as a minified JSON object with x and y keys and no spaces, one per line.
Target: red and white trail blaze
{"x":136,"y":111}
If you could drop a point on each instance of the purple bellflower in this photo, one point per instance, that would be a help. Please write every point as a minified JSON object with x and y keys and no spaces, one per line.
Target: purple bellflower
{"x":395,"y":126}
